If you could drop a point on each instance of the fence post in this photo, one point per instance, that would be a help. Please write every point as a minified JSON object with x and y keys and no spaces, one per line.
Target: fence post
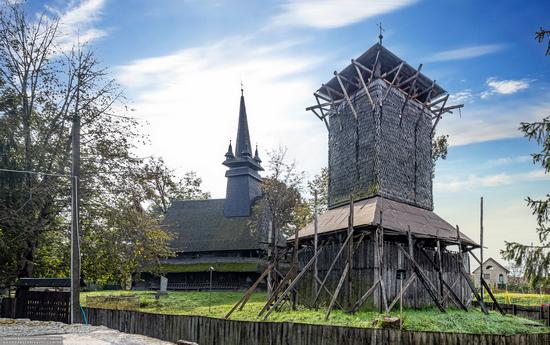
{"x":514,"y":309}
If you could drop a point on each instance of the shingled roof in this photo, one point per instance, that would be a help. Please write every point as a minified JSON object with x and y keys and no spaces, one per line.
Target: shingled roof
{"x":396,"y":217}
{"x":199,"y":226}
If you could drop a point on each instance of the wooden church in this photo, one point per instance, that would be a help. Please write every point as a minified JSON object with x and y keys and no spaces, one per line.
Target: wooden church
{"x":216,"y":233}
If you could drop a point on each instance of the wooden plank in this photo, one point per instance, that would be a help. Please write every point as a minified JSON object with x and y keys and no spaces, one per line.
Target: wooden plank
{"x":350,"y":252}
{"x":363,"y":83}
{"x":291,"y":272}
{"x":337,"y":291}
{"x":443,"y":283}
{"x":392,"y":83}
{"x":240,"y":304}
{"x":495,"y":302}
{"x":424,"y":280}
{"x":398,"y":297}
{"x":346,"y":94}
{"x":294,"y":282}
{"x":363,"y":298}
{"x":332,"y":266}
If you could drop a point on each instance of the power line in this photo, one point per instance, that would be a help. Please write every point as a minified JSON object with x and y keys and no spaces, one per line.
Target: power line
{"x":34,"y":172}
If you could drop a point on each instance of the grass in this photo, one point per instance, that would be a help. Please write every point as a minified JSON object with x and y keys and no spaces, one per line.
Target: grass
{"x":196,"y":303}
{"x":520,"y":298}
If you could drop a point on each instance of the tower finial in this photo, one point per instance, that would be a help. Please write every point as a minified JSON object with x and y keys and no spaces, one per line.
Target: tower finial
{"x":242,"y":88}
{"x":380,"y":30}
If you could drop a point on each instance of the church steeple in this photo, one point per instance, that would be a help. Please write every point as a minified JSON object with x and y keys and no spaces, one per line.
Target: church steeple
{"x":243,"y":180}
{"x":243,"y":136}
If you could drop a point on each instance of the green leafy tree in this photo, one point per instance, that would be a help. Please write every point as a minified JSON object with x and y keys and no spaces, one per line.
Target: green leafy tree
{"x":440,"y":149}
{"x":281,"y":202}
{"x":161,"y":186}
{"x":318,"y":185}
{"x":42,"y":88}
{"x":541,"y":35}
{"x":535,"y":260}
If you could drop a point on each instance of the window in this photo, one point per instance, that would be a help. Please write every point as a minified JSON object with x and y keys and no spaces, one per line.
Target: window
{"x":501,"y":278}
{"x":489,"y":267}
{"x":486,"y":276}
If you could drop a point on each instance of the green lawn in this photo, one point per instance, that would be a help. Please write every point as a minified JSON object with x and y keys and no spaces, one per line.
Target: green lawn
{"x":528,"y":299}
{"x":196,"y":303}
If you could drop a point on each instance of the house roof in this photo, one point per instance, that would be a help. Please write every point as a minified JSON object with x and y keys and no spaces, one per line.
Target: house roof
{"x":396,"y":217}
{"x":491,"y":260}
{"x":43,"y":282}
{"x":199,"y":225}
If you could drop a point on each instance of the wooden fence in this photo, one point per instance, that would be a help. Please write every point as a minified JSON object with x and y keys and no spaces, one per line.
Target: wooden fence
{"x":212,"y":331}
{"x":43,"y":305}
{"x":541,"y":312}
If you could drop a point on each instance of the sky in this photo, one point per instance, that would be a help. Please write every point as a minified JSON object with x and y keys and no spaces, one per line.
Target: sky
{"x":181,"y":64}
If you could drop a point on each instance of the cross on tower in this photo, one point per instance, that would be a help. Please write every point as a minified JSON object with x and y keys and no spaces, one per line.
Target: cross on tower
{"x":380,"y":30}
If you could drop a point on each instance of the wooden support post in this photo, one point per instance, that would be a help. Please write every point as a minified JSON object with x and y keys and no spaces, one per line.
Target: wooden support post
{"x":443,"y":284}
{"x":440,"y":113}
{"x":363,"y":82}
{"x":337,"y":291}
{"x":399,"y":297}
{"x":330,"y":294}
{"x":481,"y":247}
{"x":294,"y":282}
{"x":240,"y":304}
{"x":346,"y":94}
{"x":411,"y":253}
{"x":350,"y":253}
{"x":466,"y":276}
{"x":395,"y":77}
{"x":440,"y":271}
{"x":332,"y":266}
{"x":381,"y":260}
{"x":363,"y":298}
{"x":424,"y":280}
{"x":495,"y":302}
{"x":291,"y":272}
{"x":315,"y":243}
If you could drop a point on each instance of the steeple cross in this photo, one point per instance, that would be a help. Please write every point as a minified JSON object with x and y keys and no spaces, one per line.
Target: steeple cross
{"x":380,"y":30}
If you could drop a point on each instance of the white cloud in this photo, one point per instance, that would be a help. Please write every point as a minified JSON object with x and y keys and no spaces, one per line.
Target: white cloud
{"x":77,"y":22}
{"x":474,"y":181}
{"x":465,"y":52}
{"x":486,"y":122}
{"x":509,"y":160}
{"x":464,"y":96}
{"x":504,"y":87}
{"x":326,"y":14}
{"x":191,"y":100}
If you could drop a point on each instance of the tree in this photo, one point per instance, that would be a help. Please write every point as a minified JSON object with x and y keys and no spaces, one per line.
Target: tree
{"x":319,"y":185}
{"x":41,"y":88}
{"x":541,"y":35}
{"x":440,"y":147}
{"x":536,"y":259}
{"x":281,"y":200}
{"x":162,"y":187}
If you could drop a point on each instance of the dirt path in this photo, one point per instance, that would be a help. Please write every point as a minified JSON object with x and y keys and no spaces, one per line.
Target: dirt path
{"x":76,"y":334}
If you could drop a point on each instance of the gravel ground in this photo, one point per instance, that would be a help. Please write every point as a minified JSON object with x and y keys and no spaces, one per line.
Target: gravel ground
{"x":76,"y":334}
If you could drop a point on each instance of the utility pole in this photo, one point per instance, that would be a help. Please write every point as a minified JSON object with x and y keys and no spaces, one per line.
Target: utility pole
{"x":481,"y":249}
{"x":315,"y":244}
{"x":75,"y":206}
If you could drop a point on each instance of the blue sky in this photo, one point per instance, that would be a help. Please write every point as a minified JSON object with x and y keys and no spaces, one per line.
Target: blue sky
{"x":181,"y":63}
